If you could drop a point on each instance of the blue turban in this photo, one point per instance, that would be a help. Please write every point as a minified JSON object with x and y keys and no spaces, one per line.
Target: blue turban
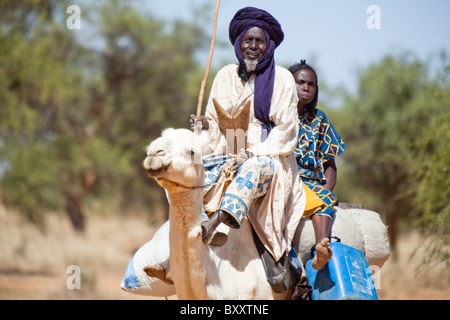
{"x":243,"y":20}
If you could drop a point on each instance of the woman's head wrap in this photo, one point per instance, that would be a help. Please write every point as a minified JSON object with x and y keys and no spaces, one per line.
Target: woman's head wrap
{"x":243,"y":20}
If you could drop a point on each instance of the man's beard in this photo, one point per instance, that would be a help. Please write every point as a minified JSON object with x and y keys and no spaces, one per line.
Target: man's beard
{"x":250,"y":65}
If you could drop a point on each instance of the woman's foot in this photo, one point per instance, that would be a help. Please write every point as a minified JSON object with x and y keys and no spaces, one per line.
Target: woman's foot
{"x":323,"y":254}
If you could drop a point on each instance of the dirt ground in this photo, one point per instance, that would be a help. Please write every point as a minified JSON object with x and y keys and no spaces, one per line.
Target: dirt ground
{"x":34,"y":264}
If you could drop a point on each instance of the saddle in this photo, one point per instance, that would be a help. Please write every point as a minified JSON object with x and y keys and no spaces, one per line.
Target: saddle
{"x":234,"y":127}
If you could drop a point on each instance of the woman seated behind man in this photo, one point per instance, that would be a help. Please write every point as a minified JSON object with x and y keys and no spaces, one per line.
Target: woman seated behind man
{"x":318,"y":145}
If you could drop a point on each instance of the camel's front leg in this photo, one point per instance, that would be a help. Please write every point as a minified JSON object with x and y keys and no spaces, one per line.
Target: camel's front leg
{"x":160,"y":272}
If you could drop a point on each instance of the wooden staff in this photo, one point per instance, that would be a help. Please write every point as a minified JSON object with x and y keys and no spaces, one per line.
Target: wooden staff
{"x":202,"y":87}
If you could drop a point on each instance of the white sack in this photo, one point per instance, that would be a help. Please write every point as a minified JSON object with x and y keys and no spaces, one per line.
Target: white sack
{"x":358,"y":228}
{"x":153,"y":253}
{"x":374,"y":233}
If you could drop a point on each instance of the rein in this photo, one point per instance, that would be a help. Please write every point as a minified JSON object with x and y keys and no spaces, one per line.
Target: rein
{"x":183,"y":186}
{"x":227,"y":171}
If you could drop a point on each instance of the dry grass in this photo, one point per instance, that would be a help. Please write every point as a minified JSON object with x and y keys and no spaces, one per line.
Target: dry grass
{"x":33,"y":264}
{"x":405,"y":277}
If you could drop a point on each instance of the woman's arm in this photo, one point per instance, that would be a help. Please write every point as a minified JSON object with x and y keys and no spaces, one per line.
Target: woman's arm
{"x":330,"y":171}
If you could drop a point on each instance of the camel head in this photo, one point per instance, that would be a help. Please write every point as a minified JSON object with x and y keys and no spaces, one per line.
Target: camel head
{"x":175,"y":157}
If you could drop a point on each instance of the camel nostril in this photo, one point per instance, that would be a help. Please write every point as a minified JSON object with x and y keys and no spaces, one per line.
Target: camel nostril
{"x":146,"y":163}
{"x":155,"y":163}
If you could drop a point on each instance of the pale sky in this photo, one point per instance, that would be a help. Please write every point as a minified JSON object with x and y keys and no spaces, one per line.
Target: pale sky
{"x":332,"y":35}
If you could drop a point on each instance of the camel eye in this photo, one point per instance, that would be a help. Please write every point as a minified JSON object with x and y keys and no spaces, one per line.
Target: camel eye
{"x":191,"y":153}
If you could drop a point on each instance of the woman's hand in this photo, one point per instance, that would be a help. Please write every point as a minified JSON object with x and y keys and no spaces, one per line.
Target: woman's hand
{"x":330,"y":171}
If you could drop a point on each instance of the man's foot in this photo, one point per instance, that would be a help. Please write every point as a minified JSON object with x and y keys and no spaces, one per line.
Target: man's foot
{"x":209,"y":233}
{"x":323,"y":254}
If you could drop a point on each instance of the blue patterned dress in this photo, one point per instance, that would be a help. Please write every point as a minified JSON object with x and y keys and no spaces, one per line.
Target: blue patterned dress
{"x":318,"y":142}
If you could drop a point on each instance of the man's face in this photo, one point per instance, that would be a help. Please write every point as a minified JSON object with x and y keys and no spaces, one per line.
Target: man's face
{"x":253,"y":45}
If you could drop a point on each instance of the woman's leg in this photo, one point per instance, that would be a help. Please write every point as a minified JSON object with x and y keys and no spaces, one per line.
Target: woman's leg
{"x":322,"y":226}
{"x":322,"y":223}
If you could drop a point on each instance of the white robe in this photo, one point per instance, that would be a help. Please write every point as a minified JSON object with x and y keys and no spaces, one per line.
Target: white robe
{"x":276,"y":215}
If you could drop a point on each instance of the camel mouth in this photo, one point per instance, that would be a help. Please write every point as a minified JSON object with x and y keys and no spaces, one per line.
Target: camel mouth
{"x":156,"y":173}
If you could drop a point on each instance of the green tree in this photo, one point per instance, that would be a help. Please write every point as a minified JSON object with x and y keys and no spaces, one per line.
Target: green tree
{"x":75,"y":117}
{"x":431,"y":168}
{"x":147,"y":69}
{"x":385,"y":125}
{"x":40,"y":104}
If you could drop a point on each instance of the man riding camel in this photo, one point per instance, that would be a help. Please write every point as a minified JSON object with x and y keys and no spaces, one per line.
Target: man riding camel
{"x":266,"y":187}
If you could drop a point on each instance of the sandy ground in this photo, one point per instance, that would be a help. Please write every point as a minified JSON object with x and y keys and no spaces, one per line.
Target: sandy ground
{"x":405,"y":277}
{"x":33,"y":264}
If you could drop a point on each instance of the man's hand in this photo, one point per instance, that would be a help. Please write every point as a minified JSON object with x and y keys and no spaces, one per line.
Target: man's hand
{"x":204,"y":121}
{"x":240,"y":159}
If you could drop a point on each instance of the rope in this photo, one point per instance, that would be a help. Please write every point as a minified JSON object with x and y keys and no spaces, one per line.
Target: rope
{"x":227,"y":172}
{"x":187,"y":187}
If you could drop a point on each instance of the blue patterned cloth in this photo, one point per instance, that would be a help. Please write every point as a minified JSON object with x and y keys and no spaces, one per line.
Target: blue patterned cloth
{"x":213,"y":167}
{"x":324,"y":194}
{"x":252,"y":181}
{"x":318,"y":142}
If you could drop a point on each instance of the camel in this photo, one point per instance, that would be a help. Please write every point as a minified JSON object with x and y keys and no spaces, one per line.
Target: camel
{"x":233,"y":271}
{"x":200,"y":271}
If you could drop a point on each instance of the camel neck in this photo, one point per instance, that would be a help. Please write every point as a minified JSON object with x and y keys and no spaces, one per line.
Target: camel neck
{"x":186,"y":265}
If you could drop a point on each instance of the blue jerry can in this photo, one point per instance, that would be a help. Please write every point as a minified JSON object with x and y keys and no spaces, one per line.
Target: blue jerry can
{"x":346,"y":276}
